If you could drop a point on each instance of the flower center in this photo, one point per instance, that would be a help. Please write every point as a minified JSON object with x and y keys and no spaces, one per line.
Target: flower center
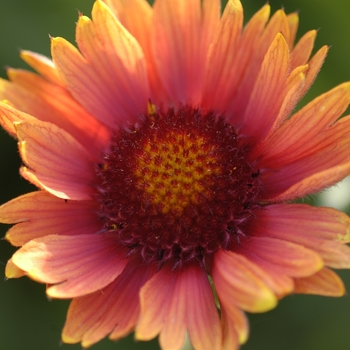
{"x":176,"y":168}
{"x":177,"y":186}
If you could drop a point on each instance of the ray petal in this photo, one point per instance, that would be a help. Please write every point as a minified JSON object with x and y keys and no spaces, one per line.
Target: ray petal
{"x":73,"y":264}
{"x":241,"y":282}
{"x":112,"y":310}
{"x":38,"y":214}
{"x":324,"y":282}
{"x":55,"y":160}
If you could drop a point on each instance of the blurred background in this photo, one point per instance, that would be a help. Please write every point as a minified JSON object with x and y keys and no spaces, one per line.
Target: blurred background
{"x":28,"y":320}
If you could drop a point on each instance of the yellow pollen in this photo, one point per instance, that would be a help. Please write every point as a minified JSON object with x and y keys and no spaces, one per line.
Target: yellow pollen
{"x":176,"y":169}
{"x":152,"y":109}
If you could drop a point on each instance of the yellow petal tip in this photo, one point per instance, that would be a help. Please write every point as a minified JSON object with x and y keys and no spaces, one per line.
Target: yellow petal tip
{"x":267,"y":302}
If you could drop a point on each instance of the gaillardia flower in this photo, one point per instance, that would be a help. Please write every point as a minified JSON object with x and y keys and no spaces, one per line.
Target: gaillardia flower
{"x":167,"y":161}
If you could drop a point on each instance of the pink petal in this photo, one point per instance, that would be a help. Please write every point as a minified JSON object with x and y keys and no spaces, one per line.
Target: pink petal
{"x":282,"y":256}
{"x":38,"y":214}
{"x":172,"y":301}
{"x":312,"y":183}
{"x":76,"y":265}
{"x":56,"y":161}
{"x":240,"y":282}
{"x":114,"y":309}
{"x":323,"y":230}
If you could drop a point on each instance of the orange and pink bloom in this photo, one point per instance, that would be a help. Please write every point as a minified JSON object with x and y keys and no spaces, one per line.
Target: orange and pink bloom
{"x":167,"y":160}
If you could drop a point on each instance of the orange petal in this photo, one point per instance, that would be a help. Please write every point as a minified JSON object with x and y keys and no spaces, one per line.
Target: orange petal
{"x":240,"y":282}
{"x":57,"y":162}
{"x":286,"y":143}
{"x":234,"y":321}
{"x":302,"y":51}
{"x":177,"y":29}
{"x":16,"y":96}
{"x":10,"y":115}
{"x":114,"y":309}
{"x":76,"y":265}
{"x":307,"y":182}
{"x":278,"y":24}
{"x":125,"y":61}
{"x":42,"y":65}
{"x":280,"y":284}
{"x":54,"y":104}
{"x":80,"y":80}
{"x":282,"y":256}
{"x":326,"y":151}
{"x":293,"y":23}
{"x":291,"y":95}
{"x":13,"y":271}
{"x":267,"y":94}
{"x":229,"y":334}
{"x":211,"y":10}
{"x":315,"y":65}
{"x":85,"y":85}
{"x":223,"y":57}
{"x":334,"y":255}
{"x":203,"y":322}
{"x":39,"y":214}
{"x":159,"y":312}
{"x":243,"y":81}
{"x":172,"y":301}
{"x":324,"y":282}
{"x":136,"y":17}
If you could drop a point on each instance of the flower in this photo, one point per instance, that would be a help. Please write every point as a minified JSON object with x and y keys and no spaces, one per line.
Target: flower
{"x":167,"y":161}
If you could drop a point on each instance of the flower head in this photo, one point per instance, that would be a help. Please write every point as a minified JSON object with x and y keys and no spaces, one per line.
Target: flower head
{"x":167,"y":158}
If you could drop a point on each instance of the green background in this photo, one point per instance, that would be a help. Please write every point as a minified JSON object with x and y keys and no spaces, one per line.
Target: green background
{"x":29,"y":321}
